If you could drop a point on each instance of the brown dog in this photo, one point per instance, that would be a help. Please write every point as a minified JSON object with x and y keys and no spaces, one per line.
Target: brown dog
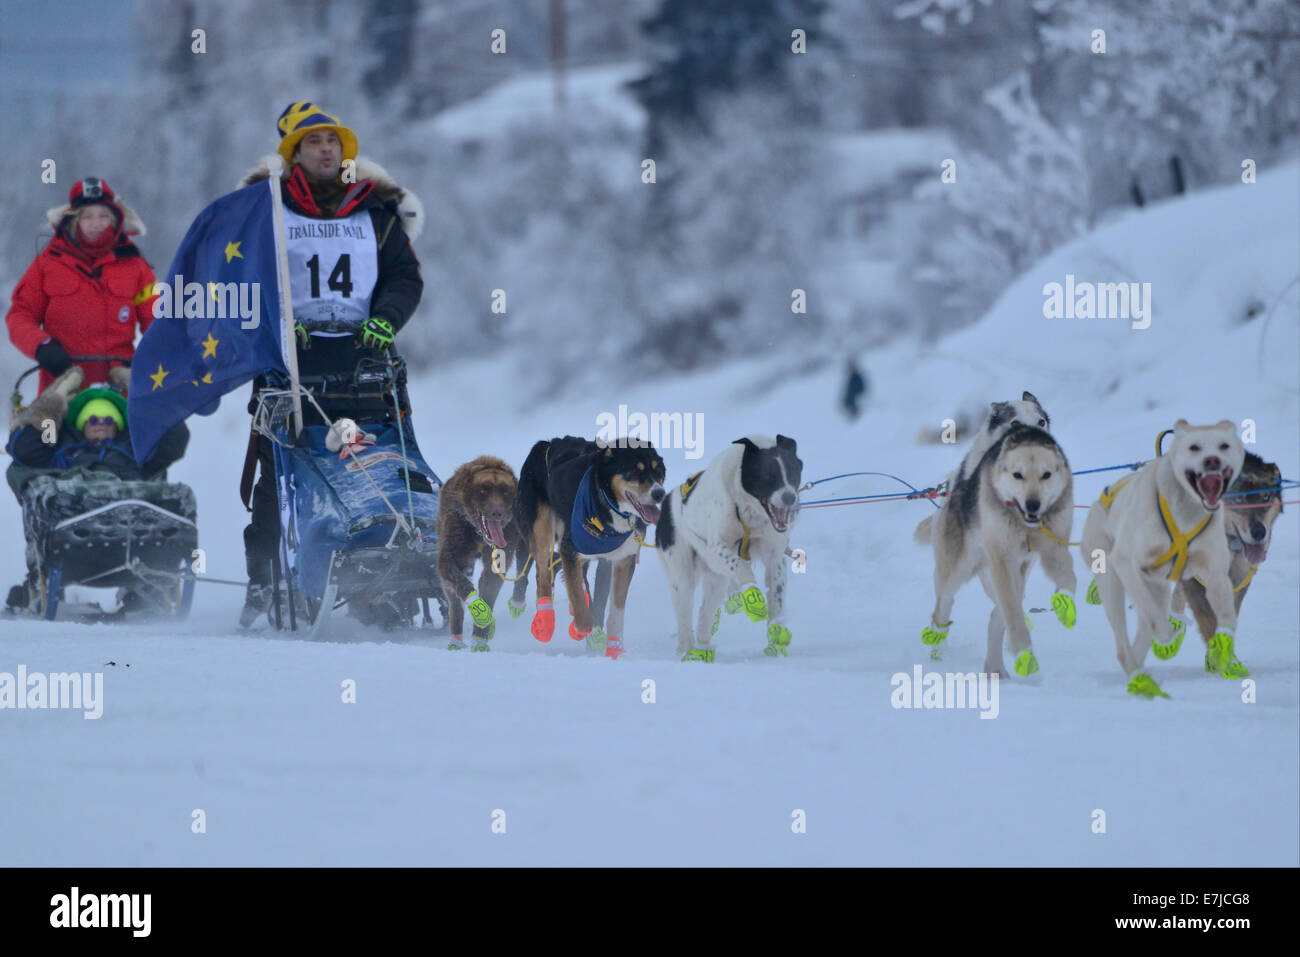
{"x":476,"y":522}
{"x":1251,"y":515}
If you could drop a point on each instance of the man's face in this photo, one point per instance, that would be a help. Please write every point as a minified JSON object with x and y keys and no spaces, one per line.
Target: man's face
{"x":100,"y":429}
{"x":320,"y":154}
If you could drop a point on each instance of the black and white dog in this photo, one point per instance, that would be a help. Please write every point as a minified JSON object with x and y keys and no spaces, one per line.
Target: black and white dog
{"x":715,"y":524}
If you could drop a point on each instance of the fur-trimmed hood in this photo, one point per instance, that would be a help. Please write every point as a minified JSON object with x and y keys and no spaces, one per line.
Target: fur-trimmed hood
{"x":409,"y":207}
{"x":132,"y":224}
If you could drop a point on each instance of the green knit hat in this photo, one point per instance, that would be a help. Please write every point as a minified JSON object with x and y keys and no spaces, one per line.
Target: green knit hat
{"x":97,"y":400}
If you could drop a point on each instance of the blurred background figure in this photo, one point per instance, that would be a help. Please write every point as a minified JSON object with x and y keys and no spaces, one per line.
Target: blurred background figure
{"x":856,"y":389}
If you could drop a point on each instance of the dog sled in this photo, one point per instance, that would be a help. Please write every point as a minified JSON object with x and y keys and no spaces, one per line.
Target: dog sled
{"x":357,"y":523}
{"x":95,"y":529}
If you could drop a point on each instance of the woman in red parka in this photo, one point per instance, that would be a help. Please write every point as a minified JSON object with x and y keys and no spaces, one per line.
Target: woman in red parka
{"x":89,"y":289}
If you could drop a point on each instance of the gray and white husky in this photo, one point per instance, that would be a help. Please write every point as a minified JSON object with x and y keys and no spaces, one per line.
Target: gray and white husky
{"x":1014,"y":506}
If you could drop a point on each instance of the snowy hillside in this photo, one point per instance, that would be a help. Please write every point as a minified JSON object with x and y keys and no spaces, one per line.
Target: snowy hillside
{"x":252,"y":731}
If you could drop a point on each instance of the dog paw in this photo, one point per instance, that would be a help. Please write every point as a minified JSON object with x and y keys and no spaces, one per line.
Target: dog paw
{"x":735,"y":604}
{"x":576,"y":633}
{"x":613,"y":647}
{"x":703,"y":653}
{"x":457,"y":643}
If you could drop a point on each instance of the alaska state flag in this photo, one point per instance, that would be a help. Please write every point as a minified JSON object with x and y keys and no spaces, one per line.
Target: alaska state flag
{"x":216,"y":320}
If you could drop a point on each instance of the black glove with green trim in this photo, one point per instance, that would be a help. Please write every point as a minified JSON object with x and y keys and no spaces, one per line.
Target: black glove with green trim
{"x":377,"y":333}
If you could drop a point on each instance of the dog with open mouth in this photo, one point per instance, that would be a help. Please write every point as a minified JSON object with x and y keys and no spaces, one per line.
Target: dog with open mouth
{"x":1159,"y":527}
{"x":1255,"y":502}
{"x":715,"y":524}
{"x":595,"y":499}
{"x":1015,"y":507}
{"x":476,"y":523}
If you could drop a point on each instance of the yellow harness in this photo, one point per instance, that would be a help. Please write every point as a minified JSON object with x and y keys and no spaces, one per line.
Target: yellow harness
{"x":1179,"y":541}
{"x":689,"y":485}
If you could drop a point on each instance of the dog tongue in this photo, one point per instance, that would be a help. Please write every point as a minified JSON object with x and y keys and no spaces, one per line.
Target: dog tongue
{"x":1254,"y":553}
{"x":650,"y":513}
{"x":1211,"y":486}
{"x":496,"y":532}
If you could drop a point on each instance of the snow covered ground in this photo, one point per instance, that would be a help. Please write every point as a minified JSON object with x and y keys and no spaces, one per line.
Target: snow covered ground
{"x":253,"y":731}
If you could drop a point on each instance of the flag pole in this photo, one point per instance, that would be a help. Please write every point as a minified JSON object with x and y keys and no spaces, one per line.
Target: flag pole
{"x":288,"y":346}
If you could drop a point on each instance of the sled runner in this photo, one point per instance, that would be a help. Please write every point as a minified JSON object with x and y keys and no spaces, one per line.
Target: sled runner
{"x":93,"y":528}
{"x":357,"y":525}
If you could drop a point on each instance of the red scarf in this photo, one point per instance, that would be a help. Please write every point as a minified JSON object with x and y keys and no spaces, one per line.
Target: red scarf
{"x":91,"y":251}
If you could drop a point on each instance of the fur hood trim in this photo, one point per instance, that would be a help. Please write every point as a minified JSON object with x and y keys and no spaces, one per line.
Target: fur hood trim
{"x":133,"y":225}
{"x":409,"y":207}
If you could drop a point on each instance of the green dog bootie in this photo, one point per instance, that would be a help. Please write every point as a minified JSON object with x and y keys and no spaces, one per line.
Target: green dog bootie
{"x":1026,"y":664}
{"x":700,"y":653}
{"x":1144,"y":686}
{"x":755,"y":603}
{"x":478,"y":610}
{"x":717,"y":620}
{"x":596,"y":640}
{"x":1165,"y":652}
{"x":517,"y":608}
{"x":734,"y":603}
{"x":1066,"y":612}
{"x":1222,"y":659}
{"x":778,"y":640}
{"x":480,"y":644}
{"x":934,"y":635}
{"x":457,"y":643}
{"x":1092,"y":596}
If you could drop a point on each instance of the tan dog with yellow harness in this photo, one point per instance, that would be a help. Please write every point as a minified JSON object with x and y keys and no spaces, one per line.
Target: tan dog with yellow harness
{"x":1158,"y":527}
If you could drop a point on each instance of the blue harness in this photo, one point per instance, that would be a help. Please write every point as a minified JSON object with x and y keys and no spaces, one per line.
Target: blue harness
{"x":590,"y":536}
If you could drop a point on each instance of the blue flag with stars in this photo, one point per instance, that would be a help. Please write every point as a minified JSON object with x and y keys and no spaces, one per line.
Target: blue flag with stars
{"x":216,"y":320}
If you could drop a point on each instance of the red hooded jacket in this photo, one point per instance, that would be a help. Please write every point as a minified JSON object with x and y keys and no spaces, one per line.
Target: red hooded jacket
{"x":91,"y":307}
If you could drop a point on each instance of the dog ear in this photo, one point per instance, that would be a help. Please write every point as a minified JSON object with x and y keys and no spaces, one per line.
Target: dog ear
{"x":609,"y":451}
{"x":1226,"y":424}
{"x":999,"y":412}
{"x":745,"y":441}
{"x":1030,"y":397}
{"x":785,"y":442}
{"x":1180,"y":425}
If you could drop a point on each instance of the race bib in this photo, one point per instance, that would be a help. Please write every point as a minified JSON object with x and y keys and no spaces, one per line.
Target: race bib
{"x":333,"y":267}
